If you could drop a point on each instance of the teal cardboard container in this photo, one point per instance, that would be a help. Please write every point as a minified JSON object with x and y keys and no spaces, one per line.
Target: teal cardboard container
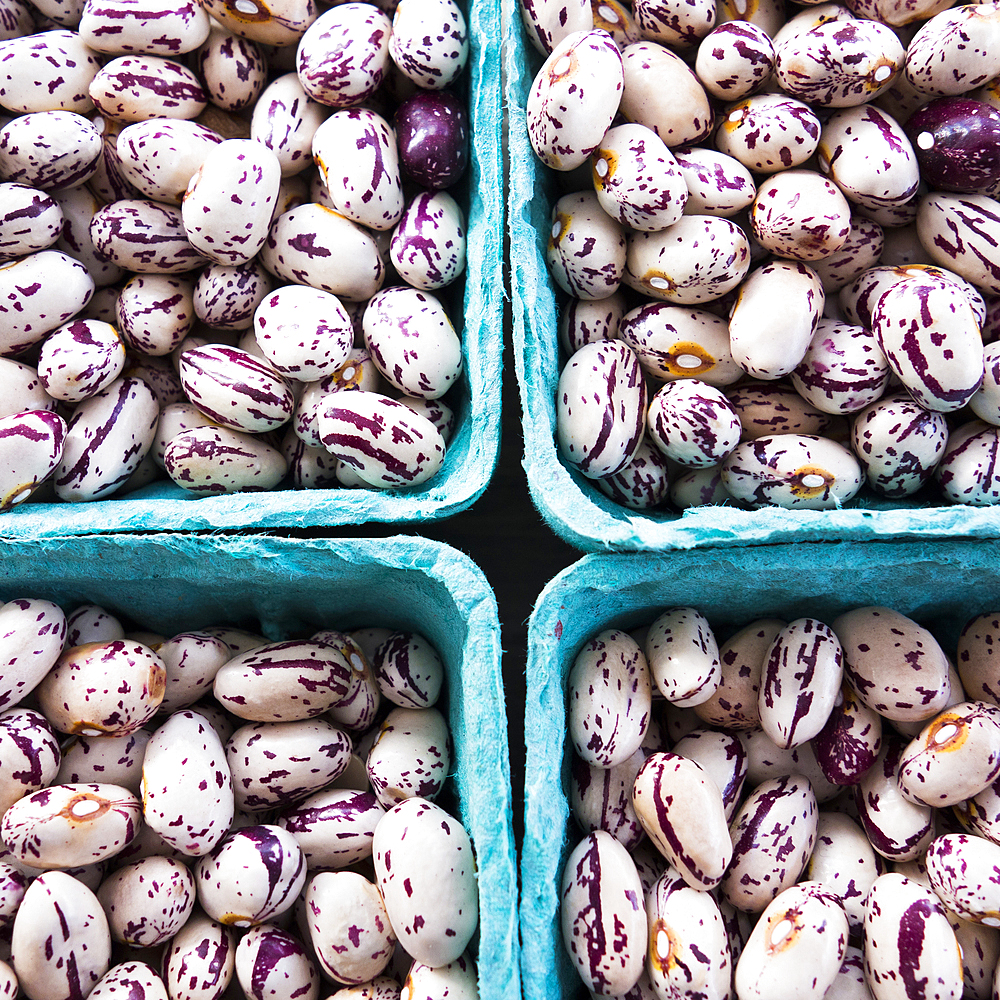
{"x":940,"y":584}
{"x":477,"y":313}
{"x":284,"y":589}
{"x":571,"y":504}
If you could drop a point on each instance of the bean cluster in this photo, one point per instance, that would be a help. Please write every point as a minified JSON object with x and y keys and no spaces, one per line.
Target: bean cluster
{"x":189,"y":815}
{"x":777,"y":238}
{"x":806,"y":810}
{"x":214,"y":219}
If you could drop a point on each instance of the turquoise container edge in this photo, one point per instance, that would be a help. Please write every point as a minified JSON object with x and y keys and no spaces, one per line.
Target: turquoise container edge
{"x":472,"y":452}
{"x":573,"y":506}
{"x":941,"y":584}
{"x":289,"y":588}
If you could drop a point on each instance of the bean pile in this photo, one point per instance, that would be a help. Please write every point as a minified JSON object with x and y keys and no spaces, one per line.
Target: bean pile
{"x":777,"y":238}
{"x":214,"y":219}
{"x":208,"y":812}
{"x":805,"y":811}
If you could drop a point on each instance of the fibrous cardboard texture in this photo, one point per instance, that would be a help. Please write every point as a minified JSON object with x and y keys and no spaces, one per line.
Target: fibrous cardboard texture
{"x":940,"y":584}
{"x":284,"y":589}
{"x":571,"y":504}
{"x":472,"y":451}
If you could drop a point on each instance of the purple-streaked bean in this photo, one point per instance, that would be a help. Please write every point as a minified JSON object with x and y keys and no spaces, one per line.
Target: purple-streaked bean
{"x":895,"y":665}
{"x":366,"y":185}
{"x":421,"y":853}
{"x":51,"y":150}
{"x":962,"y":870}
{"x":144,"y":236}
{"x":683,"y":657}
{"x":147,"y":902}
{"x":199,"y":964}
{"x":675,"y":342}
{"x":800,"y":682}
{"x":411,"y":756}
{"x":643,"y":483}
{"x":192,"y":659}
{"x":601,"y":798}
{"x":860,"y":251}
{"x":29,"y":755}
{"x":768,"y":346}
{"x":334,"y":827}
{"x":789,"y":129}
{"x":457,"y":979}
{"x":276,"y":763}
{"x":80,"y":359}
{"x":31,"y":446}
{"x":408,"y":670}
{"x":692,"y":423}
{"x":796,"y":471}
{"x":64,"y":826}
{"x":283,"y":681}
{"x":235,"y":389}
{"x":724,"y":759}
{"x":680,"y":807}
{"x":156,"y":312}
{"x":434,"y":57}
{"x":21,"y":389}
{"x":92,"y":623}
{"x":698,"y":259}
{"x":600,"y":408}
{"x":308,"y":468}
{"x":967,"y":470}
{"x":428,"y":244}
{"x":985,"y":404}
{"x":689,"y":952}
{"x":649,"y":865}
{"x":233,"y":69}
{"x":768,"y":408}
{"x":955,"y":756}
{"x":548,"y":22}
{"x":386,"y":443}
{"x":897,"y":829}
{"x":844,"y":862}
{"x":603,"y":917}
{"x":270,"y":962}
{"x":225,"y":297}
{"x":59,"y":913}
{"x":305,"y":333}
{"x":909,"y":940}
{"x":159,"y":374}
{"x":735,"y":60}
{"x":698,"y":488}
{"x":955,"y":51}
{"x":773,"y":834}
{"x":344,"y":55}
{"x":846,"y":747}
{"x":107,"y":437}
{"x":213,"y":460}
{"x":130,"y":979}
{"x":13,"y":884}
{"x":412,"y":341}
{"x":110,"y":688}
{"x":899,"y":444}
{"x":30,"y":220}
{"x":227,"y":207}
{"x":717,"y":184}
{"x":734,"y":704}
{"x":313,"y":245}
{"x":439,"y":413}
{"x":138,"y":88}
{"x":79,"y":205}
{"x":980,"y":948}
{"x":960,"y":232}
{"x":609,"y":699}
{"x":278,"y":24}
{"x":115,"y":760}
{"x":251,"y":876}
{"x":796,"y":948}
{"x":977,"y":646}
{"x":585,"y":251}
{"x":866,"y":153}
{"x":158,"y":157}
{"x":50,"y":70}
{"x":574,"y":98}
{"x":843,"y":369}
{"x":158,"y":27}
{"x":285,"y":119}
{"x":766,"y":760}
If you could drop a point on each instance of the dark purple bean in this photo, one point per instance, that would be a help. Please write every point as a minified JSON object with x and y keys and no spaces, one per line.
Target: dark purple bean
{"x":432,"y":131}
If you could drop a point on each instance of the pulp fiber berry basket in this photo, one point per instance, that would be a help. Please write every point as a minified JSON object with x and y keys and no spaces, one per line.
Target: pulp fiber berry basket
{"x":571,"y":504}
{"x":290,"y":589}
{"x":940,"y":584}
{"x":475,"y":306}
